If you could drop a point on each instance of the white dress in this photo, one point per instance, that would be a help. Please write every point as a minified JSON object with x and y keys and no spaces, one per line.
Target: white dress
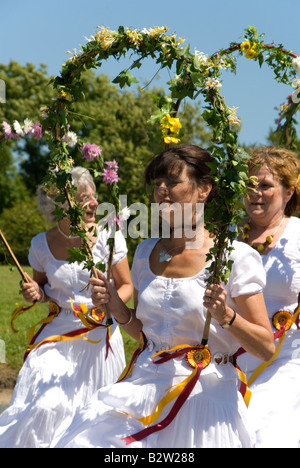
{"x":172,"y":312}
{"x":58,"y":378}
{"x":275,"y":402}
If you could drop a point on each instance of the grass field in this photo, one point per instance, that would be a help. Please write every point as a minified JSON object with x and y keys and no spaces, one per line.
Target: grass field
{"x":10,"y":299}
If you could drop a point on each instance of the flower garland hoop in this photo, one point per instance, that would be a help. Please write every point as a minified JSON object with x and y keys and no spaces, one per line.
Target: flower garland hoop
{"x":196,"y":73}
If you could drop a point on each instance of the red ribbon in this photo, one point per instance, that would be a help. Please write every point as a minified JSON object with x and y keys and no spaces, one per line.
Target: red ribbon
{"x":177,"y":405}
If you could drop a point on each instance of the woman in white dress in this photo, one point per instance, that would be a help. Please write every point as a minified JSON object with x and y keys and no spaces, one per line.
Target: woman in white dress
{"x":275,"y":233}
{"x":178,"y":405}
{"x":67,"y":361}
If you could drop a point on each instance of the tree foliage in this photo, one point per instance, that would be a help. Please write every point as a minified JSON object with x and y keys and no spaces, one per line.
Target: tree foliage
{"x":116,"y":120}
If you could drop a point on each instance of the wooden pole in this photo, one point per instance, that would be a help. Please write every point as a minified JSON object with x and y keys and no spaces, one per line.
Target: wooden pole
{"x":13,"y":257}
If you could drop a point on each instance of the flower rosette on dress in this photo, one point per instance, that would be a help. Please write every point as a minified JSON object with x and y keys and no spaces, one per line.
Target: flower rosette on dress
{"x":198,"y":356}
{"x":282,"y":320}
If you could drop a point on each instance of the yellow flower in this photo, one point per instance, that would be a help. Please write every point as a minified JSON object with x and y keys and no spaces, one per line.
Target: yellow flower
{"x":247,"y":227}
{"x":170,"y":139}
{"x":135,"y":37}
{"x":284,"y":107}
{"x":66,"y":96}
{"x":269,"y":239}
{"x":170,"y":129}
{"x":260,"y":247}
{"x":233,"y":119}
{"x":250,"y":54}
{"x":170,"y":123}
{"x":105,"y":37}
{"x":249,"y":50}
{"x":245,"y":46}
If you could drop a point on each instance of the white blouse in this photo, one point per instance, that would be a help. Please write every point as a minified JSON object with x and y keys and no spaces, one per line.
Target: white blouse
{"x":69,"y":280}
{"x":171,"y":309}
{"x":282,"y":267}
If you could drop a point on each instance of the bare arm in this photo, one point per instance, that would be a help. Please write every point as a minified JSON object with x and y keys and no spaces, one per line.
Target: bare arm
{"x":122,"y":279}
{"x":252,"y":329}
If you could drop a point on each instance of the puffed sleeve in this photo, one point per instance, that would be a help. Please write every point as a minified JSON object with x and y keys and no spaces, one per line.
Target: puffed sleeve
{"x":37,"y":253}
{"x":248,"y":274}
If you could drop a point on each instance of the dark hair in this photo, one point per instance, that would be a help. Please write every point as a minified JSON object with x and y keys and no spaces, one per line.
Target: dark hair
{"x":172,"y":161}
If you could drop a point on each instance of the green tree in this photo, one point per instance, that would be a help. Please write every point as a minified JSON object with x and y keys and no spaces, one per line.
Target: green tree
{"x":27,"y":89}
{"x":20,"y":224}
{"x":117,"y":120}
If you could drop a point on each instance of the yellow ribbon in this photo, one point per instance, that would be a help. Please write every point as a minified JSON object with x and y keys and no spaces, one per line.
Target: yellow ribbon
{"x":170,"y":395}
{"x":166,"y":400}
{"x":245,"y":391}
{"x":128,"y":369}
{"x":56,"y":338}
{"x":264,"y":365}
{"x":17,"y":312}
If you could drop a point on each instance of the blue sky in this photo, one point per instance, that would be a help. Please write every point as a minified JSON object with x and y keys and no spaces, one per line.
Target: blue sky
{"x":41,"y":32}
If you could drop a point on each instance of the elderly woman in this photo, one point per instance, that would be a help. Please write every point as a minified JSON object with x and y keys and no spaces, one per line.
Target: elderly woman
{"x":273,"y":231}
{"x":184,"y":397}
{"x":68,"y":362}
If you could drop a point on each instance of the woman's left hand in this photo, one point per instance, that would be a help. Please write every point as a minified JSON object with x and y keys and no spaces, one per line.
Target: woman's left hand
{"x":215,"y":300}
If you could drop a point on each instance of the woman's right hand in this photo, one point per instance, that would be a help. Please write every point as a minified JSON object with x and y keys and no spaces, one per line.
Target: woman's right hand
{"x":102,"y":291}
{"x":31,"y":290}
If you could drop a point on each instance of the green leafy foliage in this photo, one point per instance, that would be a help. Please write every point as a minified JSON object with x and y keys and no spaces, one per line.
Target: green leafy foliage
{"x":196,"y":74}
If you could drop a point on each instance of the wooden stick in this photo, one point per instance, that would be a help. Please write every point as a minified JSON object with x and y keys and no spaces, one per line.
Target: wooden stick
{"x":13,"y":257}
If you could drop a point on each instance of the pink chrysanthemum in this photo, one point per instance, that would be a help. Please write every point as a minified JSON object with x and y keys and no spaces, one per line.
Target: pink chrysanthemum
{"x":36,"y":130}
{"x":90,"y":151}
{"x":110,"y":176}
{"x":112,"y":165}
{"x":8,"y":133}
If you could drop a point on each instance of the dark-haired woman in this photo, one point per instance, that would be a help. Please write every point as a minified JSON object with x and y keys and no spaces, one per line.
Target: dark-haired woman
{"x":182,"y":397}
{"x":274,"y":231}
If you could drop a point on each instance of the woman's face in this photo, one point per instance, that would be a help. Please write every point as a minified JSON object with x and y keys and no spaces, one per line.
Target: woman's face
{"x":88,"y":200}
{"x":268,"y":199}
{"x":178,"y":190}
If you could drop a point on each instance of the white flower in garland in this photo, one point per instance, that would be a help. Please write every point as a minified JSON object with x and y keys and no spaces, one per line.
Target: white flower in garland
{"x":70,"y":138}
{"x":202,"y":58}
{"x":124,"y":214}
{"x":233,"y":119}
{"x":27,"y":126}
{"x":212,"y":83}
{"x":18,"y":129}
{"x":296,"y":64}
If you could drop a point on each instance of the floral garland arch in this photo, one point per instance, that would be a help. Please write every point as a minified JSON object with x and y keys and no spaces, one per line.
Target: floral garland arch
{"x":196,"y":73}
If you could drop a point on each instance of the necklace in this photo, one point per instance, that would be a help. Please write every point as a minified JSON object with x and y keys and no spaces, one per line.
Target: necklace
{"x":262,"y":246}
{"x":164,"y":255}
{"x":65,"y":235}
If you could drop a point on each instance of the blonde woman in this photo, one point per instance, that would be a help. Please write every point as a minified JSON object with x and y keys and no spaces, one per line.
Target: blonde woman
{"x":68,"y":364}
{"x":273,"y":230}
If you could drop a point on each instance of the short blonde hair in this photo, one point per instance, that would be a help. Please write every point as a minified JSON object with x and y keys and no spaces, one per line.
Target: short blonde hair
{"x":81,"y":179}
{"x":285,"y":165}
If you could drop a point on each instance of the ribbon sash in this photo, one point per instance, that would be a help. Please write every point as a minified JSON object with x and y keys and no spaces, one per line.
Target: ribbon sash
{"x":281,"y":335}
